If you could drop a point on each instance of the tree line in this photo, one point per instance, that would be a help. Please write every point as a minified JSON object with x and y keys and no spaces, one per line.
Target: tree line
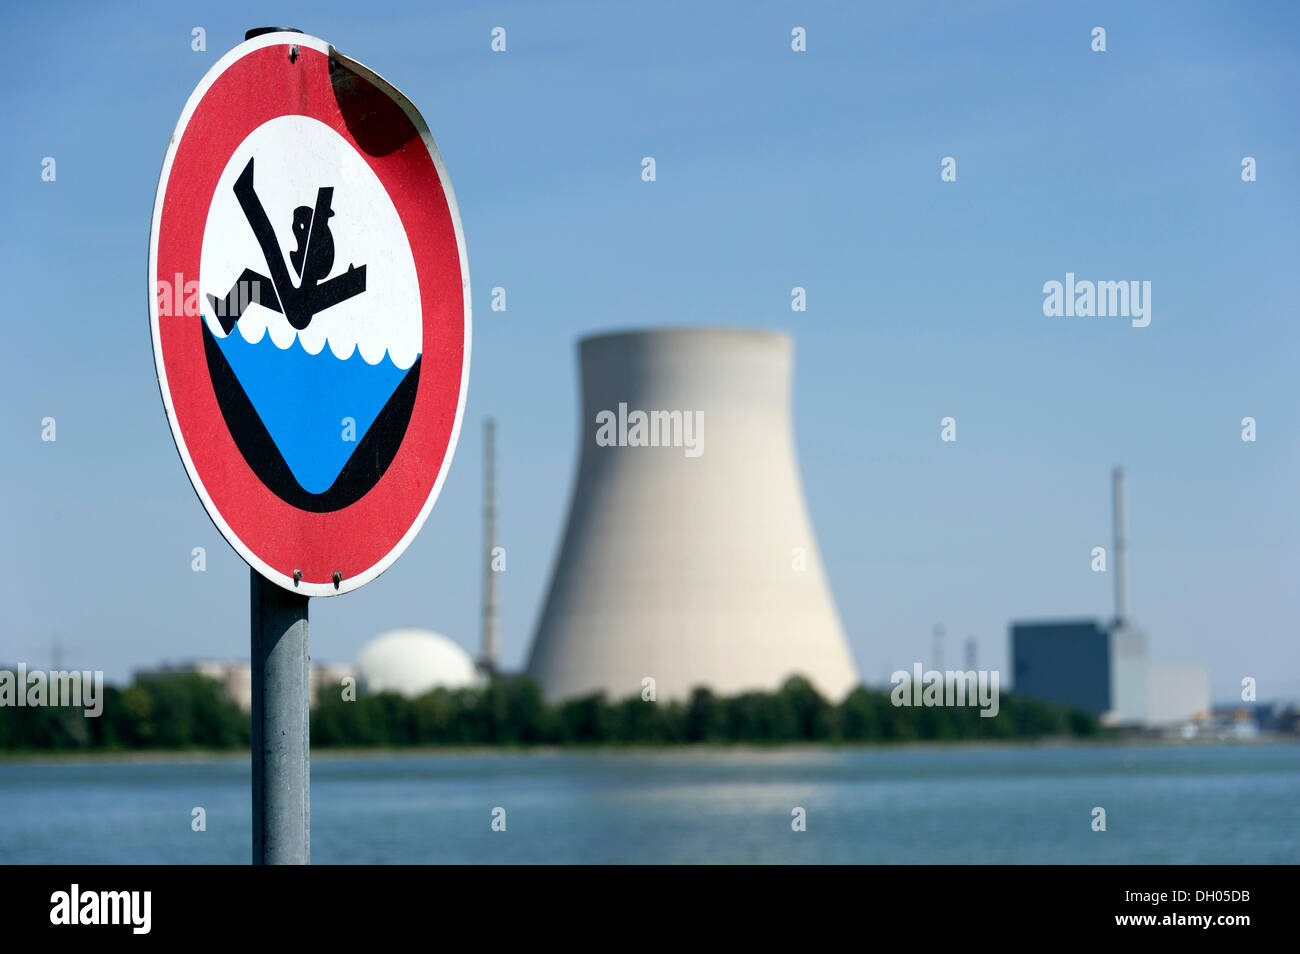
{"x":180,"y":711}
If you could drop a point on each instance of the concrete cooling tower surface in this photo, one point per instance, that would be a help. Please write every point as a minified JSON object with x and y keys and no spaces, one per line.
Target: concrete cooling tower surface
{"x":692,"y":562}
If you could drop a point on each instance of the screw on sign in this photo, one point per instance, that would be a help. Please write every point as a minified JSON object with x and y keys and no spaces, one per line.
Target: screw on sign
{"x":315,"y":383}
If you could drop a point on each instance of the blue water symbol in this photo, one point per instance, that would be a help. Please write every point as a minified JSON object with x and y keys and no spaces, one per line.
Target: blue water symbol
{"x":303,"y":398}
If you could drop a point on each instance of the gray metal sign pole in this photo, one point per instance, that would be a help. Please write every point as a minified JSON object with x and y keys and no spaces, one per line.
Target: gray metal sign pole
{"x":281,"y":706}
{"x":281,"y":752}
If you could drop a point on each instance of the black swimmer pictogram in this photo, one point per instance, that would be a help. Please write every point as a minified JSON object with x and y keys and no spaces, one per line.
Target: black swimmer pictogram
{"x":312,"y":260}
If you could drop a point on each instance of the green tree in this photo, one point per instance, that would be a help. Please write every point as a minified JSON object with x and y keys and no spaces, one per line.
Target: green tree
{"x":706,"y":718}
{"x":857,"y":716}
{"x":811,"y":714}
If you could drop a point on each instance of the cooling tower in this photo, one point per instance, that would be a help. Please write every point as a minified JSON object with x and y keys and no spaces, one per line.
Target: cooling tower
{"x":689,"y":557}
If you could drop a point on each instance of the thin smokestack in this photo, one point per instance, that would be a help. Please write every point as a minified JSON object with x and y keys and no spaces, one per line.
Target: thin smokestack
{"x":488,"y":659}
{"x":1118,"y":562}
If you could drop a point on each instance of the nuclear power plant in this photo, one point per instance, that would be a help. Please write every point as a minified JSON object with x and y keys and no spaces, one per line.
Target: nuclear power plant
{"x":689,"y":558}
{"x":1102,"y":667}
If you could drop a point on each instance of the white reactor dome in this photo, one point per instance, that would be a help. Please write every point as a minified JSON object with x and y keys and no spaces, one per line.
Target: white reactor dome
{"x":412,"y":662}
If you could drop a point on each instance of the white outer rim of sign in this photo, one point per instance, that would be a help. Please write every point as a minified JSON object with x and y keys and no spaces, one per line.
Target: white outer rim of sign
{"x":310,"y":42}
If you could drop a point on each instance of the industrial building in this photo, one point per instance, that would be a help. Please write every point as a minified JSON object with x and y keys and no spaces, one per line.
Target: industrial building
{"x":406,"y":661}
{"x":1102,"y":667}
{"x":1066,"y":661}
{"x":236,"y":676}
{"x":689,"y":558}
{"x":1087,"y":664}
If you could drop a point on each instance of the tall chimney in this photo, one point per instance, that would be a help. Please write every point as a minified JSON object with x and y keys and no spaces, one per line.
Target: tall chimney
{"x":1121,"y":584}
{"x":488,"y":659}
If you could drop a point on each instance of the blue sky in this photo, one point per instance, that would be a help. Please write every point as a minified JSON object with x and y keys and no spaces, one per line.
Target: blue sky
{"x":775,"y":169}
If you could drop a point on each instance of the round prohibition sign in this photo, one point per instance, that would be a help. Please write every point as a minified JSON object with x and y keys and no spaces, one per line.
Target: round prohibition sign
{"x":309,"y":304}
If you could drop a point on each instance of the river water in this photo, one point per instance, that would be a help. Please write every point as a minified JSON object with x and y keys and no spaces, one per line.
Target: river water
{"x":1234,"y":804}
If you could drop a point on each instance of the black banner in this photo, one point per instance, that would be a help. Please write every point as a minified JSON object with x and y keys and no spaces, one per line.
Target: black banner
{"x":226,"y":904}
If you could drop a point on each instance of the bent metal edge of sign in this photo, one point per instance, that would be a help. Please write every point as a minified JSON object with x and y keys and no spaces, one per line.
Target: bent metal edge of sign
{"x":309,"y":303}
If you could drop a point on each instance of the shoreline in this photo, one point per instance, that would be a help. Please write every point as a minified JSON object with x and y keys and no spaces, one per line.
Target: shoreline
{"x":175,"y":756}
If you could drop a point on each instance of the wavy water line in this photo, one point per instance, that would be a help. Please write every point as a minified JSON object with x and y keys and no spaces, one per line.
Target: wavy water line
{"x":259,"y":321}
{"x":355,"y":350}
